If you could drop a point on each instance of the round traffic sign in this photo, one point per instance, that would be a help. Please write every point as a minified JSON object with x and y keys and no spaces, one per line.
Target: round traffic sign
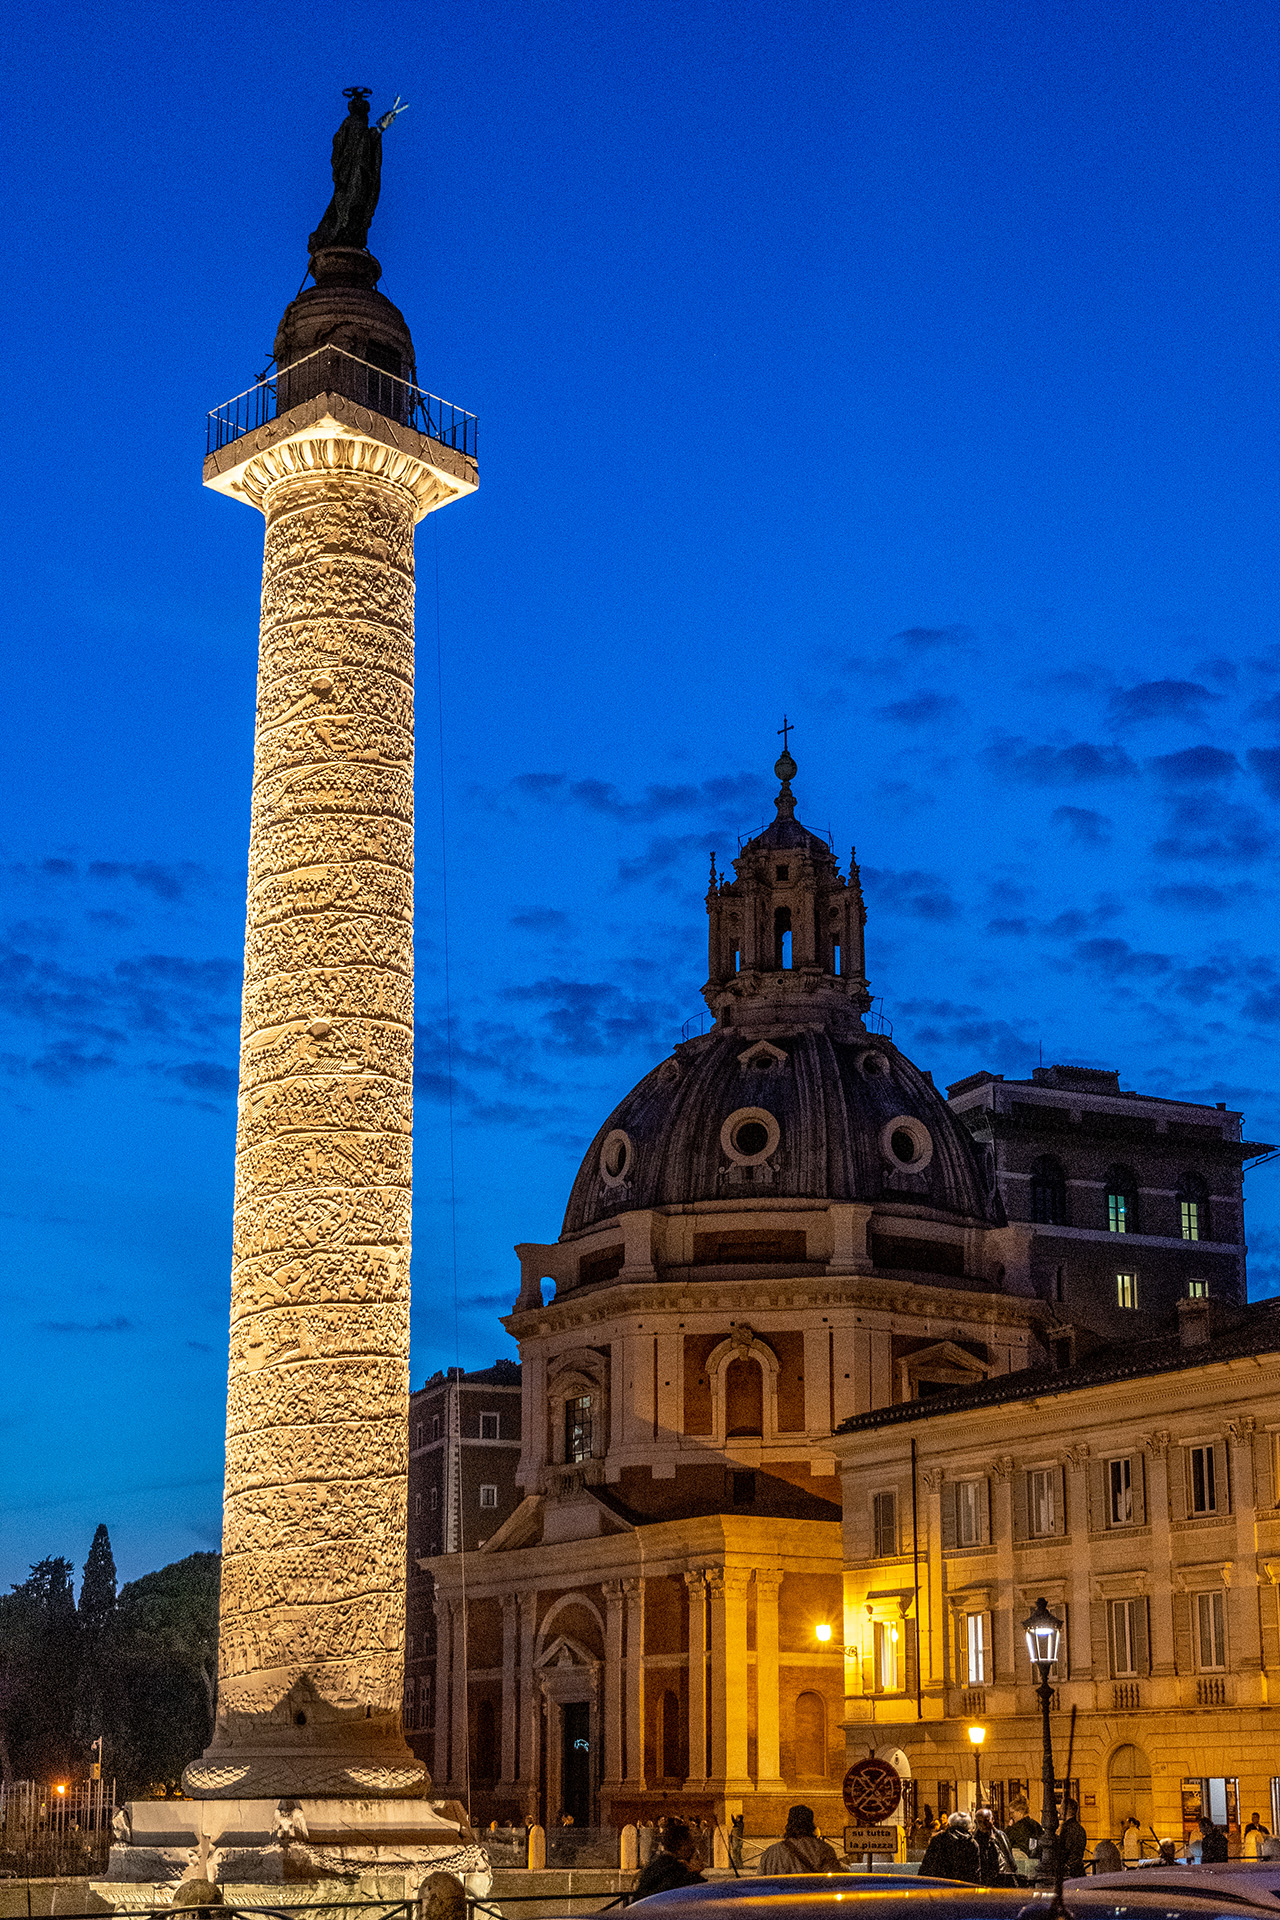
{"x":872,"y":1790}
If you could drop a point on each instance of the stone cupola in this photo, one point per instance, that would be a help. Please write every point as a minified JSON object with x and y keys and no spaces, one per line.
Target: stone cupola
{"x":786,"y":933}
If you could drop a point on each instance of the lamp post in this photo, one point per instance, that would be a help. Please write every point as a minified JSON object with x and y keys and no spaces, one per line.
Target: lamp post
{"x":1044,"y":1633}
{"x":976,"y":1737}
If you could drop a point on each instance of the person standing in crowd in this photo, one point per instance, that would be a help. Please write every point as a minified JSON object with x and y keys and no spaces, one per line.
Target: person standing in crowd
{"x":800,"y":1849}
{"x":672,"y":1863}
{"x":1213,"y":1843}
{"x":1131,"y":1841}
{"x":1254,"y":1835}
{"x":922,"y":1829}
{"x":952,"y":1854}
{"x":995,"y":1855}
{"x":736,"y":1826}
{"x":1026,"y":1838}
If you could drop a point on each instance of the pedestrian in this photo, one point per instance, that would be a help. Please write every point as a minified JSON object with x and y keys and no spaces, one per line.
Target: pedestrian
{"x":672,"y":1863}
{"x":736,"y":1828}
{"x":1254,"y":1835}
{"x":922,"y":1828}
{"x":995,"y":1855}
{"x":1026,"y":1838}
{"x":1073,"y":1840}
{"x":952,"y":1854}
{"x":1131,"y":1841}
{"x":645,"y":1836}
{"x":1213,"y":1843}
{"x":800,"y":1849}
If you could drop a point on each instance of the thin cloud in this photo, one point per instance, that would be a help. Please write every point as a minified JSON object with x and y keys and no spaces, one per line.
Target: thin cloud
{"x":1160,"y":700}
{"x":1083,"y":825}
{"x":919,"y":709}
{"x":1195,"y":766}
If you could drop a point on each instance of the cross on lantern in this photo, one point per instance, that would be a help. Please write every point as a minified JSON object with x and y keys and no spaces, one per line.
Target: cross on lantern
{"x":784,"y":730}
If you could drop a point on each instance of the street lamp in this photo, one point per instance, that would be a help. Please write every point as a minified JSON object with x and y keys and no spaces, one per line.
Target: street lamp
{"x":823,"y":1631}
{"x":976,"y":1737}
{"x":1044,"y":1633}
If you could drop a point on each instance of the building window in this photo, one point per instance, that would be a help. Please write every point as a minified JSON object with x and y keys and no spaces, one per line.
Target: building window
{"x":1049,"y":1192}
{"x":417,"y":1434}
{"x":1197,"y":1289}
{"x":435,"y":1426}
{"x":1122,"y":1201}
{"x":488,"y":1426}
{"x":1202,"y":1480}
{"x":884,"y":1508}
{"x":977,"y":1645}
{"x":433,"y":1499}
{"x":1042,"y":1501}
{"x":488,"y":1496}
{"x":1120,"y":1492}
{"x":1211,"y":1640}
{"x":577,"y":1428}
{"x":971,"y":1513}
{"x":886,"y":1657}
{"x":1126,"y":1289}
{"x":1193,"y":1208}
{"x":1127,"y":1634}
{"x":417,"y":1506}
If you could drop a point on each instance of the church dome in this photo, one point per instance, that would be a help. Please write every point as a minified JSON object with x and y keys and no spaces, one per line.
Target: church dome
{"x":821,"y":1112}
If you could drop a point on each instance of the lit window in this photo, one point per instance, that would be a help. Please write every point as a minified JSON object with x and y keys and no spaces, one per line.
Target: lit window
{"x":1190,"y":1212}
{"x":1193,"y":1207}
{"x":1117,"y":1212}
{"x":971,"y":1513}
{"x":577,"y":1428}
{"x":1202,"y":1480}
{"x":488,"y":1426}
{"x":1120,"y":1492}
{"x":488,"y":1496}
{"x":885,"y":1520}
{"x":1211,"y":1638}
{"x":1127,"y":1289}
{"x":886,"y":1657}
{"x":1197,"y":1289}
{"x":977,"y":1650}
{"x":1122,"y":1201}
{"x":1042,"y":1501}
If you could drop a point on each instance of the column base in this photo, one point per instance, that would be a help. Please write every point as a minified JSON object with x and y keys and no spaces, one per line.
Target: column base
{"x":306,"y":1745}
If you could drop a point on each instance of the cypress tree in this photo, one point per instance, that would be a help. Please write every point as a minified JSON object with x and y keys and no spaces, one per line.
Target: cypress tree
{"x":98,"y":1586}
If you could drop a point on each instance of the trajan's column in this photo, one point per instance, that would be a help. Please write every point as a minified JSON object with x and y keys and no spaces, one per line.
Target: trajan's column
{"x":342,"y":454}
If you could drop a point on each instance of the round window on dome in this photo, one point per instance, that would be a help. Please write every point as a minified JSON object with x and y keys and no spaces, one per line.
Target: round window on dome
{"x":872,"y":1062}
{"x":750,"y":1135}
{"x":906,"y":1143}
{"x":615,"y":1158}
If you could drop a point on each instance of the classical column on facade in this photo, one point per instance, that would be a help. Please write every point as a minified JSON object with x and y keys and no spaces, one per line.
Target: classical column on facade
{"x":728,"y":1590}
{"x":614,"y":1692}
{"x":768,"y":1777}
{"x":311,"y":1620}
{"x":1243,"y":1598}
{"x":634,"y":1590}
{"x":1005,"y":1598}
{"x":442,"y":1702}
{"x":1080,"y":1644}
{"x":510,"y":1689}
{"x":529,"y":1764}
{"x":460,"y":1735}
{"x":696,"y":1581}
{"x":1164,"y":1683}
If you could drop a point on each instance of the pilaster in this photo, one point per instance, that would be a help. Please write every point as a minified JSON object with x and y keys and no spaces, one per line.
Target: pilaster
{"x":768,"y":1776}
{"x":510,"y":1696}
{"x":613,"y":1683}
{"x":634,"y":1590}
{"x":728,"y":1591}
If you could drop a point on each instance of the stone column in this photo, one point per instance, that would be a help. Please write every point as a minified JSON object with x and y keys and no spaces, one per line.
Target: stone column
{"x":728,"y":1586}
{"x":768,"y":1779}
{"x":696,"y":1581}
{"x":1163,"y":1664}
{"x":1245,"y":1636}
{"x":459,"y":1742}
{"x":634,"y":1589}
{"x":311,"y":1623}
{"x":510,"y":1698}
{"x":530,"y":1700}
{"x":443,"y":1689}
{"x":613,"y":1688}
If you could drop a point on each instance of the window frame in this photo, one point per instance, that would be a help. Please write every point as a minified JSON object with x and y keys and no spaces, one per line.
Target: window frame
{"x":1125,"y":1608}
{"x":1204,"y":1453}
{"x":1127,"y":1291}
{"x":1210,"y":1602}
{"x":490,"y":1419}
{"x":1045,"y":1481}
{"x":1125,"y":1490}
{"x":884,"y":1524}
{"x":977,"y":1649}
{"x":579,"y":1425}
{"x":975,"y":1507}
{"x":489,"y":1506}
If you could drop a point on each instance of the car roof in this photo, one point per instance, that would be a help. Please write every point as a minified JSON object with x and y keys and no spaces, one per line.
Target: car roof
{"x":903,"y":1896}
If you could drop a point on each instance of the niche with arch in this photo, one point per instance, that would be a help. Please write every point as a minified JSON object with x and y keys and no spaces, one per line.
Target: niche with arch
{"x":743,"y":1399}
{"x":811,"y":1737}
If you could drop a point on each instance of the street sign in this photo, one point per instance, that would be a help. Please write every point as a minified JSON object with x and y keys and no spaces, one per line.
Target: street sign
{"x":872,"y":1790}
{"x":871,"y":1840}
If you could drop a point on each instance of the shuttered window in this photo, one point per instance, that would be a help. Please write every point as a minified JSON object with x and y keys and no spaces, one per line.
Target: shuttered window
{"x":972,"y":1520}
{"x":1203,"y":1494}
{"x":1211,"y":1634}
{"x":1120,"y":1493}
{"x":1127,"y":1633}
{"x":884,"y":1522}
{"x":1044,"y":1502}
{"x":976,"y":1649}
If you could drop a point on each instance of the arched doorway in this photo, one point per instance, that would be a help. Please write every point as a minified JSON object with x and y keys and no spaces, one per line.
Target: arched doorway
{"x":1129,"y":1787}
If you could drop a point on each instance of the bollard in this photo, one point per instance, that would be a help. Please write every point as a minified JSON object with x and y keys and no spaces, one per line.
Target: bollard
{"x":719,"y":1848}
{"x":537,"y":1848}
{"x":628,"y":1849}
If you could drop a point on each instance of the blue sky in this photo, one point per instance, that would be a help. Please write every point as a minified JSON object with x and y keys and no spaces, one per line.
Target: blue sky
{"x":910,"y":369}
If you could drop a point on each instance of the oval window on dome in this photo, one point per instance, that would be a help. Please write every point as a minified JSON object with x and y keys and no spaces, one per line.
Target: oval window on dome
{"x":615,"y":1157}
{"x":750,"y":1135}
{"x":907,"y":1143}
{"x":872,"y":1062}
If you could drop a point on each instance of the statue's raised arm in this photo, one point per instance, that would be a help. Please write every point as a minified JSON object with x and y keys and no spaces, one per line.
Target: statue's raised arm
{"x":357,"y":174}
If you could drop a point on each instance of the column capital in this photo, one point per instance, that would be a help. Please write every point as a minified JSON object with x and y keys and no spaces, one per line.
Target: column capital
{"x":633,"y":1585}
{"x":727,"y":1580}
{"x":1003,"y":1466}
{"x":1243,"y":1428}
{"x":1076,"y":1455}
{"x":1156,"y":1444}
{"x":768,"y":1580}
{"x":612,"y":1591}
{"x":695,"y":1577}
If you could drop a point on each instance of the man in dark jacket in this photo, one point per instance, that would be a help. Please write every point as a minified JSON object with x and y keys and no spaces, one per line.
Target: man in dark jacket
{"x":672,"y":1862}
{"x":1026,"y":1837}
{"x":995,"y":1856}
{"x":952,"y":1854}
{"x":1213,"y":1843}
{"x":1073,"y":1840}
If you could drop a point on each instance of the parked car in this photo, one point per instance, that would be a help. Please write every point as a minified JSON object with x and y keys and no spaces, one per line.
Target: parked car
{"x":1251,"y":1883}
{"x":905,"y":1896}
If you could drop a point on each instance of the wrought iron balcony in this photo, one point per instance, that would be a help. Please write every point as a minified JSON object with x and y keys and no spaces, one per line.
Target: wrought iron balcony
{"x":332,"y":370}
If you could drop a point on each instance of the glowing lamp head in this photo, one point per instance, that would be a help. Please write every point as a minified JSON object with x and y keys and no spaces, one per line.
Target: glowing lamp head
{"x":823,"y":1631}
{"x":1044,"y":1632}
{"x":977,"y":1735}
{"x":61,"y":1789}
